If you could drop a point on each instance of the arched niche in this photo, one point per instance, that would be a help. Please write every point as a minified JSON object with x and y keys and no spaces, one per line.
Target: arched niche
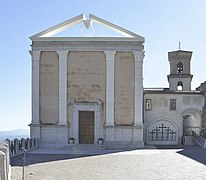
{"x":162,"y":132}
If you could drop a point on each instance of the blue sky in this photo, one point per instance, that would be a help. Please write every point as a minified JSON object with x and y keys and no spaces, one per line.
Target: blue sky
{"x":163,"y":23}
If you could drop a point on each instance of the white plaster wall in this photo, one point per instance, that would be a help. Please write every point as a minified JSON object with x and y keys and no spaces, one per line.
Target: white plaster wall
{"x":161,"y":109}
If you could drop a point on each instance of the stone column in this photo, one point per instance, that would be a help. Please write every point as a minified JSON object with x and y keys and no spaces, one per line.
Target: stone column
{"x":138,"y":55}
{"x":110,"y":58}
{"x":35,"y":86}
{"x":62,"y":87}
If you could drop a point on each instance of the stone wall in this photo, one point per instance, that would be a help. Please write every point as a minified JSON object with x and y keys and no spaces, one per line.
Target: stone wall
{"x":86,"y":78}
{"x":124,"y":88}
{"x":49,"y":88}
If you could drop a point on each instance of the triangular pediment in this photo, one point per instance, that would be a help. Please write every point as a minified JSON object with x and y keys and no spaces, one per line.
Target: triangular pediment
{"x":87,"y":23}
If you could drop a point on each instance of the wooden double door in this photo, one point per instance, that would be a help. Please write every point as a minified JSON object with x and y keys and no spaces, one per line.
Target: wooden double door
{"x":86,"y":127}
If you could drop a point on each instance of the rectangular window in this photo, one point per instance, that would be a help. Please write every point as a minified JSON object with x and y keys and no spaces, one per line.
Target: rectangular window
{"x":148,"y":104}
{"x":172,"y":104}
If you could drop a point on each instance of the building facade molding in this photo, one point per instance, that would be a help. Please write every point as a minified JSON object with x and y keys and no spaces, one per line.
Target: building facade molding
{"x":87,"y":46}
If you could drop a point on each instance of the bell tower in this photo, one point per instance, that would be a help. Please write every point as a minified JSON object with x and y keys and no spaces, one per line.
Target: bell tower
{"x":180,"y":77}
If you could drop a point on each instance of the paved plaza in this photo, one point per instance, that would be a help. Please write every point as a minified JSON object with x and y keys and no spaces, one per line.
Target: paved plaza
{"x":161,"y":163}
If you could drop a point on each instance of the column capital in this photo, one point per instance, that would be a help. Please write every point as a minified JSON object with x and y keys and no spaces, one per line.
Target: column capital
{"x":109,"y":55}
{"x":138,"y":55}
{"x":35,"y":54}
{"x":62,"y":55}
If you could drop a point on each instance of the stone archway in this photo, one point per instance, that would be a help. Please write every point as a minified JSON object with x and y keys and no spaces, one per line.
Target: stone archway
{"x":191,"y":122}
{"x":162,"y":132}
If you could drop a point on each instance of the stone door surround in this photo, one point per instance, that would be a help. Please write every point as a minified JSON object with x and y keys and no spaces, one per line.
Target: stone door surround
{"x":96,"y":107}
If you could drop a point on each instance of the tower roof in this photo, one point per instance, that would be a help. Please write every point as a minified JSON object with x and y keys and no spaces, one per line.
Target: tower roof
{"x":180,"y":54}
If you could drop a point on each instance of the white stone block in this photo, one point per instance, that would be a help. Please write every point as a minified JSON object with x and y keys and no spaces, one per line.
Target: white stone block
{"x":3,"y":174}
{"x":54,"y":136}
{"x":34,"y":131}
{"x":4,"y":147}
{"x":124,"y":137}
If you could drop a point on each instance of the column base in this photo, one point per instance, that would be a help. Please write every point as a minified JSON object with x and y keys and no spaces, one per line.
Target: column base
{"x":109,"y":125}
{"x":53,"y":136}
{"x":139,"y":124}
{"x":34,"y":131}
{"x":62,"y":124}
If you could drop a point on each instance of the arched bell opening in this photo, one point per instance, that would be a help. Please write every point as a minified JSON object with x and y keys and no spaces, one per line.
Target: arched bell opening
{"x":180,"y":86}
{"x":179,"y":68}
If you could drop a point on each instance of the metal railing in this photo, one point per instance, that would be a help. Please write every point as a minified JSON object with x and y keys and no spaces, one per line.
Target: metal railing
{"x":16,"y":145}
{"x":199,"y":140}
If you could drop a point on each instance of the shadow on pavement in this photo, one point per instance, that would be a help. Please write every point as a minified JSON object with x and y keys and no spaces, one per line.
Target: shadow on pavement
{"x":194,"y":152}
{"x":43,"y":158}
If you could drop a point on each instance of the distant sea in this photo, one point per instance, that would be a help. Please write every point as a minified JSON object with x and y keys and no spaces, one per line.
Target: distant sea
{"x":17,"y":133}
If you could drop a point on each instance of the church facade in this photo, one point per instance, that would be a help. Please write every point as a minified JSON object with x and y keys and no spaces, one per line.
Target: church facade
{"x":90,"y":89}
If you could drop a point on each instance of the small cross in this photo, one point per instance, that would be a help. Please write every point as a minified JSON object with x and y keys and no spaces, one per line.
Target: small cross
{"x":167,"y":130}
{"x":162,"y":127}
{"x":156,"y":130}
{"x":152,"y":132}
{"x":172,"y":132}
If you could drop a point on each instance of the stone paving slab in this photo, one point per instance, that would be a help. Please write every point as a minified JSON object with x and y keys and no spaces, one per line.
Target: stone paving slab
{"x":144,"y":164}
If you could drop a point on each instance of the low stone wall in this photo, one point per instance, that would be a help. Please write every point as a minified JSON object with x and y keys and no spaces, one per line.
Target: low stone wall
{"x":12,"y":148}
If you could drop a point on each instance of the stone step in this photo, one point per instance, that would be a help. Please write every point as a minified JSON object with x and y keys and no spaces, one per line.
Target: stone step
{"x":82,"y":147}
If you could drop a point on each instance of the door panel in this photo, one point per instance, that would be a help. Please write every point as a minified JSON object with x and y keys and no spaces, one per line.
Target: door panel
{"x":86,"y":127}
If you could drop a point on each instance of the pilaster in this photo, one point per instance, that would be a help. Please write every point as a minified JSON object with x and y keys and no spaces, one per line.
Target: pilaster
{"x":110,"y":58}
{"x":62,"y":87}
{"x":138,"y":55}
{"x":35,"y":56}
